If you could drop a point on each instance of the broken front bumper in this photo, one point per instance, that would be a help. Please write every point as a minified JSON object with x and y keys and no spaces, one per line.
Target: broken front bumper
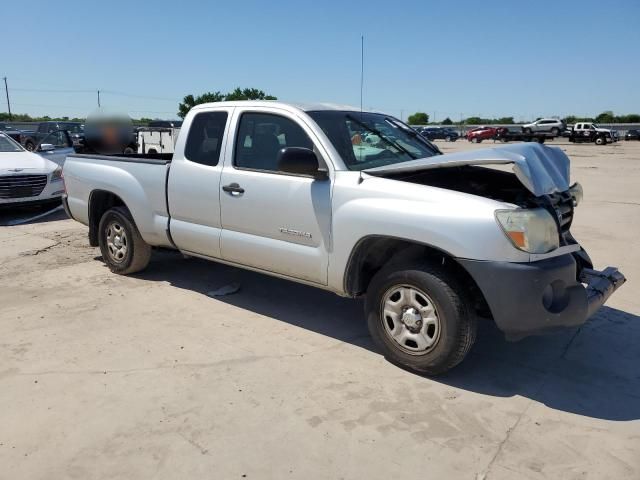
{"x":531,"y":298}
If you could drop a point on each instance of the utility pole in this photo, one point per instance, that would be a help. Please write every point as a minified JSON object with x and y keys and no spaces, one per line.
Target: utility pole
{"x":98,"y":98}
{"x":6,"y":90}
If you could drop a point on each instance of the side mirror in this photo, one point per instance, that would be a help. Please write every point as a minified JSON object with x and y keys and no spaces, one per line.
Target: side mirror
{"x":300,"y":161}
{"x":46,"y":147}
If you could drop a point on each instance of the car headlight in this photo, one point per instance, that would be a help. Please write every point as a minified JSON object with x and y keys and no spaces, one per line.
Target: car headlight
{"x":576,"y":193}
{"x":530,"y":230}
{"x":57,"y":174}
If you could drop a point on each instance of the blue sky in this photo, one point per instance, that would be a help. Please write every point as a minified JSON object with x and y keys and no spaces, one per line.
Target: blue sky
{"x":489,"y":58}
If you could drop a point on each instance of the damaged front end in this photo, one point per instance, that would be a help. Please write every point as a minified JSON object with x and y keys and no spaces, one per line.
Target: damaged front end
{"x":558,"y":287}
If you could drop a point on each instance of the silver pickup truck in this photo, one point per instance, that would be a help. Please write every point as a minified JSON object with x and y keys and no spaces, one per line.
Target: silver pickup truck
{"x":359,"y":204}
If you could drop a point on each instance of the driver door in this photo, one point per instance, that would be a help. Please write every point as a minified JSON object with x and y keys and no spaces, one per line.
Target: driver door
{"x":271,"y":220}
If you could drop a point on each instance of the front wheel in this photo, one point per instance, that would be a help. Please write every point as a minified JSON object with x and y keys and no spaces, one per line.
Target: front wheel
{"x":420,"y":318}
{"x":123,"y":248}
{"x":601,"y":141}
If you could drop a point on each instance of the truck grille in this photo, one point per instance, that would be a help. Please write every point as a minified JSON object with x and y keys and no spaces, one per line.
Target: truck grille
{"x":21,"y":186}
{"x":562,"y":204}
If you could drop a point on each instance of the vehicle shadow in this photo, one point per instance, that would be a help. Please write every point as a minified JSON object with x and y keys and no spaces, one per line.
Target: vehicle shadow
{"x":591,"y":371}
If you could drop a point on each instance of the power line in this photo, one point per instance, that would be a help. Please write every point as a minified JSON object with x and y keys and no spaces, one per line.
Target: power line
{"x":108,"y":92}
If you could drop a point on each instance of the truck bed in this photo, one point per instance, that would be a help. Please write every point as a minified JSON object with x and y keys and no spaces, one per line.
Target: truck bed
{"x":139,"y":181}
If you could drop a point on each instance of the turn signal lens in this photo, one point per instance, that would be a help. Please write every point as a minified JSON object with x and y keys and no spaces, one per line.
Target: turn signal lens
{"x":533,"y":231}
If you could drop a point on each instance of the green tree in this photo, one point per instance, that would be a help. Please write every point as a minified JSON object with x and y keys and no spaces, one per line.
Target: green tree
{"x":505,"y":121}
{"x":418,"y":118}
{"x":446,"y":121}
{"x":190,"y":101}
{"x":474,"y":121}
{"x":606,"y":117}
{"x":248,"y":94}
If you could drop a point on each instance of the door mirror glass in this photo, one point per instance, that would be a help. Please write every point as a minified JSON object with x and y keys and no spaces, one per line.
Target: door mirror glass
{"x":300,"y":161}
{"x":46,"y":147}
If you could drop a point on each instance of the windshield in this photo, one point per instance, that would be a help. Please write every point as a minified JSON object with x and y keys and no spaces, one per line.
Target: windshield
{"x":368,"y":140}
{"x":8,"y":145}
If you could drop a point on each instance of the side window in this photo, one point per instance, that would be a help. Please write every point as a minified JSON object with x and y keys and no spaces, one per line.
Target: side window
{"x":260,"y":138}
{"x":58,"y":139}
{"x":205,"y":138}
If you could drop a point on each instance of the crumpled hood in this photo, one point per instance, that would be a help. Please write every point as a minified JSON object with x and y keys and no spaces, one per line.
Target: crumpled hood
{"x":542,"y":170}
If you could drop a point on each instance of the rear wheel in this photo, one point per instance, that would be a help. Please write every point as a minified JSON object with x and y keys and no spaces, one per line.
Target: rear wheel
{"x":29,"y":145}
{"x":420,"y":318}
{"x":528,"y":131}
{"x":123,"y":249}
{"x":555,"y":131}
{"x":447,"y":138}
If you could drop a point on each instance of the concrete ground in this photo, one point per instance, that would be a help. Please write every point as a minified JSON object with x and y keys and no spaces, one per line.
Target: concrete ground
{"x":108,"y":377}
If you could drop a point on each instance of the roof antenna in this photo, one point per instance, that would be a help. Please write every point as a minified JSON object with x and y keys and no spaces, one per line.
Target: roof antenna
{"x":360,"y":179}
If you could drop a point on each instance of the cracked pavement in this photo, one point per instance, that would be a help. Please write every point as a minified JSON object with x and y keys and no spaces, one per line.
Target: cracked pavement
{"x":108,"y":377}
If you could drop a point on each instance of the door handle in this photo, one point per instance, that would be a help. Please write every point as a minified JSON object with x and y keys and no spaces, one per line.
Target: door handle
{"x":233,"y":189}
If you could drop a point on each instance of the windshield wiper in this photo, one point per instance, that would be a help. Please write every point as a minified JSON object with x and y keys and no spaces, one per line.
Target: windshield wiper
{"x":382,"y":137}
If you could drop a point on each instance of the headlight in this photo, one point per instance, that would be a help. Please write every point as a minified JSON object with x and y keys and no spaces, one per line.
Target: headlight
{"x":576,"y":193}
{"x":57,"y":174}
{"x":533,"y":231}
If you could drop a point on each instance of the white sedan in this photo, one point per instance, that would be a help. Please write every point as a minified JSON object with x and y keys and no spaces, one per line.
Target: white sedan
{"x":28,"y":177}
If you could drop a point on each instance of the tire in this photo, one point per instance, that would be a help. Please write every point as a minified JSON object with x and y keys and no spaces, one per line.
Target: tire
{"x":451,"y":328}
{"x":555,"y":131}
{"x":128,"y":151}
{"x":601,"y":141}
{"x":447,"y":138}
{"x":123,"y":249}
{"x":528,"y":131}
{"x":29,"y":145}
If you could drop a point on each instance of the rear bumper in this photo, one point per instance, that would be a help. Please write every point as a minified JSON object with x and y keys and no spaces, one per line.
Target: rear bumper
{"x":537,"y":297}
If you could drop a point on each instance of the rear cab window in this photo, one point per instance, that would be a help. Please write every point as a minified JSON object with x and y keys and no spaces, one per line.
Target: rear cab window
{"x":204,"y":142}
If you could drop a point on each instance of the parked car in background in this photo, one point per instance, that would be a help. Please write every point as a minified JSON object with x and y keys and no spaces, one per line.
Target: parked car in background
{"x":551,"y":125}
{"x":439,"y":133}
{"x":27,"y":178}
{"x":591,"y":132}
{"x":32,"y":138}
{"x":479,"y":134}
{"x":632,"y":135}
{"x":515,"y":133}
{"x":55,"y":146}
{"x":11,"y":132}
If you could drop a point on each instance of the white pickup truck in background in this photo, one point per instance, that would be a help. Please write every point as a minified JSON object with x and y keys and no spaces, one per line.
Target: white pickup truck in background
{"x":434,"y":241}
{"x":157,"y":139}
